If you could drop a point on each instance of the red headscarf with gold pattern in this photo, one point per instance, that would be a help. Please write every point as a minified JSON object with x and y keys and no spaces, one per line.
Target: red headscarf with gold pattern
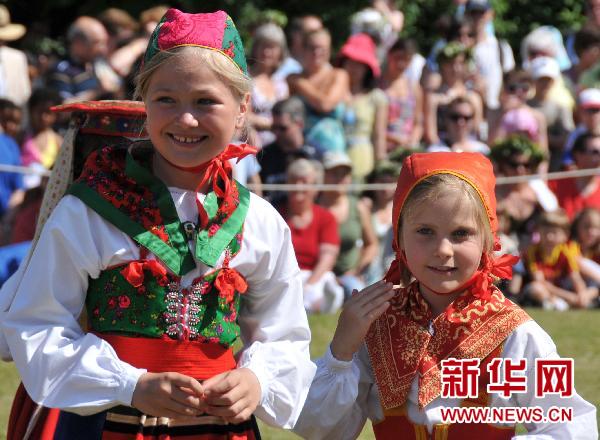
{"x":407,"y":340}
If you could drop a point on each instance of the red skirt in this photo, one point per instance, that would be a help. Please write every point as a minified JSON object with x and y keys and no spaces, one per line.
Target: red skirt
{"x":26,"y":416}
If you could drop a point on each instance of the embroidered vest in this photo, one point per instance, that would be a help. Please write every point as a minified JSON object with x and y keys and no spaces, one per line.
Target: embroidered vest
{"x":145,"y":298}
{"x":397,"y":426}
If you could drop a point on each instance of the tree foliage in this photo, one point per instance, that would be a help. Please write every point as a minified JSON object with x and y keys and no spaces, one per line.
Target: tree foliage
{"x":514,"y":18}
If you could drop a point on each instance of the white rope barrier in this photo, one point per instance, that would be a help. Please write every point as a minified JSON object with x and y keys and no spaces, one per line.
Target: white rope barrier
{"x":353,"y":187}
{"x":358,"y":187}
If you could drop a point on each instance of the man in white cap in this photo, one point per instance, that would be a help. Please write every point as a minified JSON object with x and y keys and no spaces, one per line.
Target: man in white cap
{"x":588,"y":110}
{"x":559,"y":118}
{"x":14,"y":73}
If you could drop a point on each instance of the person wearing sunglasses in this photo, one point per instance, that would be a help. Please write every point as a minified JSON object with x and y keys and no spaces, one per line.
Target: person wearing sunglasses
{"x":577,"y":193}
{"x":522,"y":202}
{"x":460,"y":134}
{"x":454,"y":61}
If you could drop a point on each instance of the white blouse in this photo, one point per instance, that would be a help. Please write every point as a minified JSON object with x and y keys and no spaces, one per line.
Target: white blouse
{"x":344,"y":394}
{"x":63,"y":367}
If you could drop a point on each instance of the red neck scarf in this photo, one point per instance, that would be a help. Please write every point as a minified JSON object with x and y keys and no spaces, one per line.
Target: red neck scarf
{"x":217,"y":170}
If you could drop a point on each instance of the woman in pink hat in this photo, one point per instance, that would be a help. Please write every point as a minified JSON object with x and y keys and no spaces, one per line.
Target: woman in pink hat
{"x":366,"y":114}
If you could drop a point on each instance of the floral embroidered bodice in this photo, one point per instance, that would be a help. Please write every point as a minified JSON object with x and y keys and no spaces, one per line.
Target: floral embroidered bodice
{"x":145,"y":297}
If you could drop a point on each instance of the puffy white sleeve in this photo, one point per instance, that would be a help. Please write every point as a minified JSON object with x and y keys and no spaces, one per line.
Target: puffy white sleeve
{"x":272,"y":319}
{"x":341,"y":398}
{"x":529,"y":341}
{"x":60,"y":365}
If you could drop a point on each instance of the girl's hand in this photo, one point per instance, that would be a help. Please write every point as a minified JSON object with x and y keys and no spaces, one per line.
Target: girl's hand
{"x":358,"y":314}
{"x":233,"y":395}
{"x":171,"y":395}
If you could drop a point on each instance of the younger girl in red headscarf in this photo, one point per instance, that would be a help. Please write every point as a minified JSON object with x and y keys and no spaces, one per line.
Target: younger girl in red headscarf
{"x":437,"y":305}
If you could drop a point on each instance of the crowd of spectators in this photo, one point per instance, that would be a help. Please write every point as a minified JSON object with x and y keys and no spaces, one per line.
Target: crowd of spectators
{"x":350,"y":117}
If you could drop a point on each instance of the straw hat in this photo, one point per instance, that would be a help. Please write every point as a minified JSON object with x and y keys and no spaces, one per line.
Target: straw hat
{"x":9,"y":31}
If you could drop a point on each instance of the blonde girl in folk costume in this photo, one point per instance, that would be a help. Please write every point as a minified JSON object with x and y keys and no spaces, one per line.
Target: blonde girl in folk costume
{"x":444,"y":220}
{"x":172,"y":260}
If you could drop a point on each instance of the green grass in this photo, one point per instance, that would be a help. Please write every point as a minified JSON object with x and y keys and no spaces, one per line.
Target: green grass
{"x":576,"y":334}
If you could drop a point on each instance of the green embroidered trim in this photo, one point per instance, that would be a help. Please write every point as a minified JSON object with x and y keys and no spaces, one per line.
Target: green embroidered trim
{"x":167,"y":209}
{"x":177,"y":263}
{"x":209,"y":249}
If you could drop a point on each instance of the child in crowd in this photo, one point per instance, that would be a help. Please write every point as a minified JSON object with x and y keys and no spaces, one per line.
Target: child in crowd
{"x":586,"y":233}
{"x":553,"y":266}
{"x":173,"y":261}
{"x":41,"y":143}
{"x":445,"y":308}
{"x":11,"y":118}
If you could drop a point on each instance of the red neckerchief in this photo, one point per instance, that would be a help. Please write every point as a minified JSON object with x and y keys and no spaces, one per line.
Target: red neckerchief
{"x":218,"y":168}
{"x":401,"y":346}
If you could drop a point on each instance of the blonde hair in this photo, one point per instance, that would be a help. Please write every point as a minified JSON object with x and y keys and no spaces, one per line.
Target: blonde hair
{"x":554,"y":219}
{"x":435,"y":188}
{"x":223,"y":67}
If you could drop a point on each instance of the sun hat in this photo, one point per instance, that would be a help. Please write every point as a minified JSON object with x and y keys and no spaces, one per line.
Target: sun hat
{"x":332,"y":159}
{"x":589,"y":98}
{"x":361,"y":47}
{"x":521,"y":120}
{"x":9,"y":31}
{"x":544,"y":67}
{"x":214,"y":30}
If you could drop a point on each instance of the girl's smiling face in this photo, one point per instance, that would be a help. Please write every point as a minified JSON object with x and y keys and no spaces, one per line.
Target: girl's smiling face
{"x":443,"y":244}
{"x":192,"y":115}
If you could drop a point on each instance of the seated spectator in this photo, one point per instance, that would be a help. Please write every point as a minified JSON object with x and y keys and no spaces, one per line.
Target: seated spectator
{"x":324,"y":89}
{"x":379,"y":203}
{"x":288,"y":126}
{"x":460,"y":129}
{"x":404,"y":98}
{"x":559,"y":118}
{"x":41,"y":142}
{"x":453,"y":60}
{"x":576,"y":193}
{"x":266,"y":54}
{"x":11,"y":184}
{"x":522,"y":202}
{"x":547,"y":42}
{"x":78,"y":77}
{"x":586,"y":44}
{"x":11,"y":118}
{"x":298,"y":27}
{"x":588,"y":114}
{"x":516,"y":116}
{"x":15,"y":84}
{"x":586,"y":233}
{"x":365,"y":120}
{"x":314,"y":237}
{"x":358,"y":244}
{"x":556,"y":281}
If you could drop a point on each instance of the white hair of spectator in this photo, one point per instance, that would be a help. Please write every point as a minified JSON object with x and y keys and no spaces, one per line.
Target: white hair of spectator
{"x":302,"y":168}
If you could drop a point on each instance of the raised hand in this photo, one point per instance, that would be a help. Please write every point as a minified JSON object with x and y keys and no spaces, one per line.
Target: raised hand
{"x":233,"y":395}
{"x":171,"y":395}
{"x":358,"y":314}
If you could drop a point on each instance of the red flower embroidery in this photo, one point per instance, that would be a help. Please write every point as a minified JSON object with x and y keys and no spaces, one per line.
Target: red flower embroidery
{"x":124,"y":302}
{"x":112,"y":302}
{"x":214,"y":228}
{"x":228,"y":282}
